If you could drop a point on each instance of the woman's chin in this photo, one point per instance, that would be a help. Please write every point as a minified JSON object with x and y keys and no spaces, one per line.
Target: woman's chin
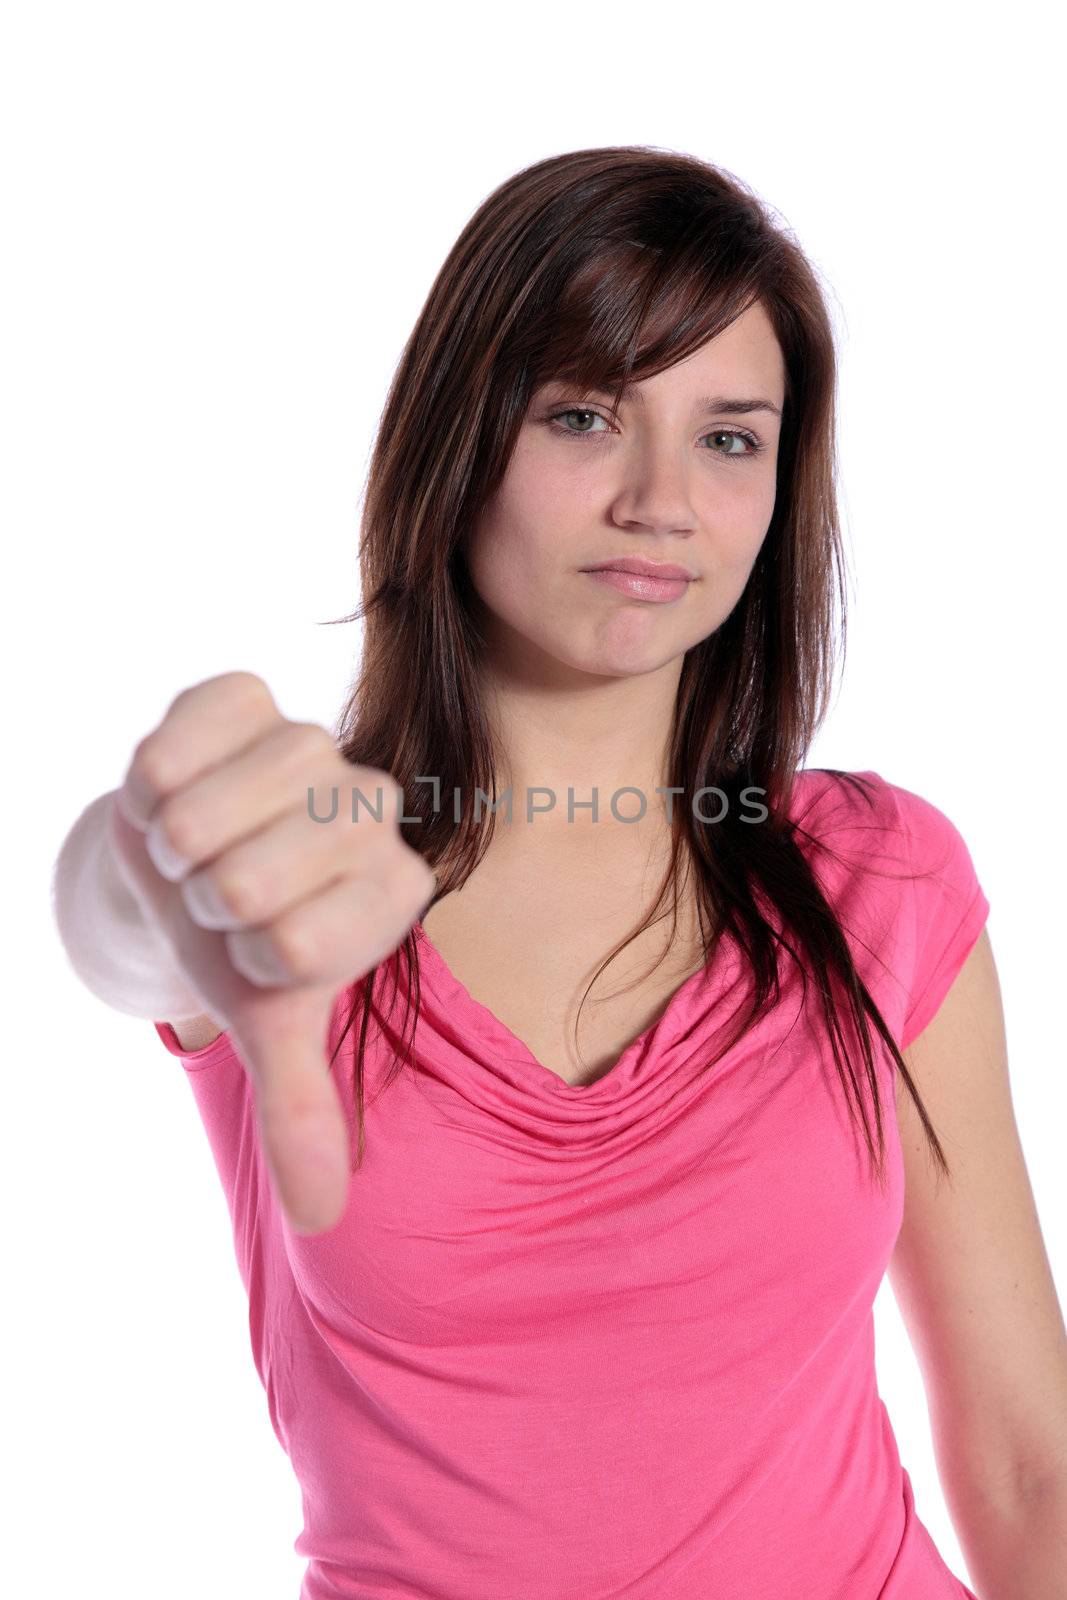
{"x":625,"y":663}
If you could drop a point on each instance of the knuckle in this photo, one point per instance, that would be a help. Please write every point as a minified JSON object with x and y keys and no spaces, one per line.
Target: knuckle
{"x":153,"y":764}
{"x":296,"y":944}
{"x":248,"y":684}
{"x":183,"y":697}
{"x":324,"y":806}
{"x":252,"y":700}
{"x":308,"y":740}
{"x":240,"y":892}
{"x":237,"y":686}
{"x":243,"y":694}
{"x":235,"y":689}
{"x":181,"y":829}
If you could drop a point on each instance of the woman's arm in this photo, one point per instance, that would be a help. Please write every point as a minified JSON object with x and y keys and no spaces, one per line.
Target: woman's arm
{"x":974,"y":1286}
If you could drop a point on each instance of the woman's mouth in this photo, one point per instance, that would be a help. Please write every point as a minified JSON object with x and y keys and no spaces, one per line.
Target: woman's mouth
{"x":640,"y":585}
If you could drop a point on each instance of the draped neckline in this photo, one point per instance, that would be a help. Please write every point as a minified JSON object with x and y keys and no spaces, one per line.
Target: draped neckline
{"x":675,"y":1019}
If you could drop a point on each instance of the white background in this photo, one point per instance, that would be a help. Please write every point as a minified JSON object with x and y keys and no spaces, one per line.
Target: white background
{"x":221,"y":222}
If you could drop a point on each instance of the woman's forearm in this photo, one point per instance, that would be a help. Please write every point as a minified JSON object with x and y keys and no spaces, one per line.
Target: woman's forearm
{"x":120,"y":956}
{"x":1019,"y":1553}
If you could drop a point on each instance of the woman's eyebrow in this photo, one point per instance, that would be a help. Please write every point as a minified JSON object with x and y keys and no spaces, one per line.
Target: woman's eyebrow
{"x":725,"y":403}
{"x":706,"y":403}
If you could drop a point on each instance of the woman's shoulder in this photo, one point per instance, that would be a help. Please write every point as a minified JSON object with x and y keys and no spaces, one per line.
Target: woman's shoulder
{"x":826,"y":799}
{"x":878,"y":823}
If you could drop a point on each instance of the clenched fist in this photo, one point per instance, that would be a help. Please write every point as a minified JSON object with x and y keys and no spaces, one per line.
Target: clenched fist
{"x":268,"y":911}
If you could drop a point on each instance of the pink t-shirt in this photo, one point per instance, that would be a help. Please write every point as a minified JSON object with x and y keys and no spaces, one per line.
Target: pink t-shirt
{"x":612,"y":1342}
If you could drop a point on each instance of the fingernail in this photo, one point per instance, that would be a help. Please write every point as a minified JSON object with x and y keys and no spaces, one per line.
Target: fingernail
{"x":167,"y":860}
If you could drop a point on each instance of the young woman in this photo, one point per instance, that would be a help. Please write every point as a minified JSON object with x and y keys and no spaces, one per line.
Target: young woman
{"x":590,"y":1314}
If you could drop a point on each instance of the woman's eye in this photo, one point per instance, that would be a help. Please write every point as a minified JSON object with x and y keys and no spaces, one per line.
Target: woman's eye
{"x":576,"y":412}
{"x":735,"y":436}
{"x":733,"y":433}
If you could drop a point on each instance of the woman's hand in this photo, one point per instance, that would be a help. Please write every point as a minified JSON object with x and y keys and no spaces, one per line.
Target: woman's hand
{"x":269,"y":912}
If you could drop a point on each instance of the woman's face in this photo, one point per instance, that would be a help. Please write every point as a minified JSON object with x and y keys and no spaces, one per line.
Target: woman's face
{"x":674,"y":477}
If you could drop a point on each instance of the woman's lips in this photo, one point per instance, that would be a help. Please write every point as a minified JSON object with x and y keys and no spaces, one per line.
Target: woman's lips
{"x":639,"y":586}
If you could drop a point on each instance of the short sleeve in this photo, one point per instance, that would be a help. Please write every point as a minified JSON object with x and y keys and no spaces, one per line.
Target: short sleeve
{"x":223,"y":1049}
{"x":220,"y":1049}
{"x":948,"y":906}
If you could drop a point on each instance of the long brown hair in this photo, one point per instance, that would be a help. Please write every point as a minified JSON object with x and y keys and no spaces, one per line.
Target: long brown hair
{"x":602,"y":267}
